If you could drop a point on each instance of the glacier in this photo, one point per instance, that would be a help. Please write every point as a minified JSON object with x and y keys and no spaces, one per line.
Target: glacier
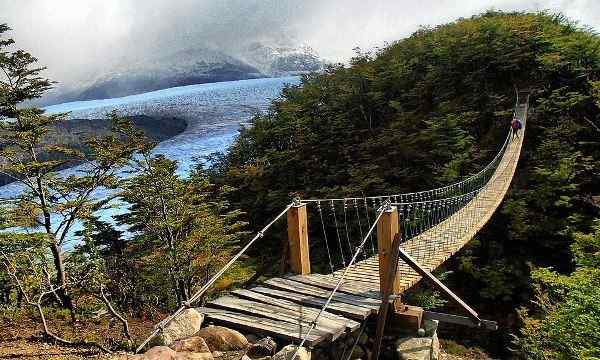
{"x":214,"y":113}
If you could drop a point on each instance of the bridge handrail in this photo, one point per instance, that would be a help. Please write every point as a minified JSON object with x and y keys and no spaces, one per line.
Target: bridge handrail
{"x":423,"y":192}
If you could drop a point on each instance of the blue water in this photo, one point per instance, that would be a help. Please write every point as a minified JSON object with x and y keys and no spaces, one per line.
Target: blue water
{"x":214,"y":113}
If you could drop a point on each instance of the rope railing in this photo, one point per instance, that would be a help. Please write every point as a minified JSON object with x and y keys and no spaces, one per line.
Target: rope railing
{"x":337,"y":223}
{"x":341,"y":221}
{"x":437,"y":193}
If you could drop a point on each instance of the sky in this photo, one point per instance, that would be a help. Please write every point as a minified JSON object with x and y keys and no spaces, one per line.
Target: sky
{"x":76,"y":39}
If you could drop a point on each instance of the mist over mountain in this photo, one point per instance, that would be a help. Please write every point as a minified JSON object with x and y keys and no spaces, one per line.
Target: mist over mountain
{"x":192,"y":66}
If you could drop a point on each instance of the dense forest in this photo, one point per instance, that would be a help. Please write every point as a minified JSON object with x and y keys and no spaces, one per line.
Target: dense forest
{"x":421,"y":112}
{"x":428,"y":110}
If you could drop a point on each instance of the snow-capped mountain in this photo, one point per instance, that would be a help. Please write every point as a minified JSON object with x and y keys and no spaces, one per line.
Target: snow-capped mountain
{"x":193,"y":66}
{"x":275,"y":60}
{"x":186,"y":67}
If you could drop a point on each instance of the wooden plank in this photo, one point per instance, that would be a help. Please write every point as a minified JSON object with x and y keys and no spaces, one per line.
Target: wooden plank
{"x":335,"y":329}
{"x":255,"y":296}
{"x":331,"y":283}
{"x":351,"y":311}
{"x":298,"y":239}
{"x":295,"y":286}
{"x":359,"y":278}
{"x":279,"y":329}
{"x":360,"y":285}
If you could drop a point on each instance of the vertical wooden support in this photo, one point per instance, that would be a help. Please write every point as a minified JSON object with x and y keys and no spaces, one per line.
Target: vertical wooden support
{"x":299,"y":259}
{"x":387,"y":229}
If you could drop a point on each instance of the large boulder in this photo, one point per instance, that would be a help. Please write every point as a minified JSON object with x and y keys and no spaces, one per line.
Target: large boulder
{"x":186,"y":324}
{"x":414,"y":348}
{"x":194,"y":344}
{"x":288,"y":352}
{"x":219,"y":338}
{"x":156,"y":353}
{"x":186,"y":355}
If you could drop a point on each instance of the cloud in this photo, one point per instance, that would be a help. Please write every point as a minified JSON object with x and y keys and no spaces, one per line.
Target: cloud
{"x":77,"y":39}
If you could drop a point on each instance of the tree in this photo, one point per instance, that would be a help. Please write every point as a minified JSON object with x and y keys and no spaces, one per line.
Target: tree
{"x":48,"y":200}
{"x":93,"y":271}
{"x":25,"y":262}
{"x":564,"y":320}
{"x":182,"y":225}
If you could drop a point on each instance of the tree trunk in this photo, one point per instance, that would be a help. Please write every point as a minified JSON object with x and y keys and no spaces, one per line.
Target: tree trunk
{"x":61,"y":280}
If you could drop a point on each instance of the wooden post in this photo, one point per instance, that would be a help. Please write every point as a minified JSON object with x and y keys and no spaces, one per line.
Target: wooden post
{"x":387,"y":229}
{"x":386,"y":291}
{"x":299,"y":259}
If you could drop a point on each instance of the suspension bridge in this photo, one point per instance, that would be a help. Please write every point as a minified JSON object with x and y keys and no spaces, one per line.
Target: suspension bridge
{"x":377,"y":248}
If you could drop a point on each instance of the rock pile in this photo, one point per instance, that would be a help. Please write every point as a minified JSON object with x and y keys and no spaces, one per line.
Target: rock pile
{"x":185,"y":338}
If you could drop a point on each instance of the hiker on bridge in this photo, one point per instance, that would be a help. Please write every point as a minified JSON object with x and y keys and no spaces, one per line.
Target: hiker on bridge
{"x":516,"y":125}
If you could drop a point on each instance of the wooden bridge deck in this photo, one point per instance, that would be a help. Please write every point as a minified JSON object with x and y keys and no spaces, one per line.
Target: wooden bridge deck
{"x":286,"y":307}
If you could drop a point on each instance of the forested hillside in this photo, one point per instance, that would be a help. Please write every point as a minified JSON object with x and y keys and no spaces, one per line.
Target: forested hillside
{"x":432,"y":108}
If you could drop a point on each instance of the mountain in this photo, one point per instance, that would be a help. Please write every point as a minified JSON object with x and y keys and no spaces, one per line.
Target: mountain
{"x":186,"y":67}
{"x":192,"y":66}
{"x":280,"y":60}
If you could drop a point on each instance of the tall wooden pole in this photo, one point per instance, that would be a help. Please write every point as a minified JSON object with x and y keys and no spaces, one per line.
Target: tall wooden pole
{"x":299,"y":258}
{"x":385,"y":297}
{"x":387,"y":229}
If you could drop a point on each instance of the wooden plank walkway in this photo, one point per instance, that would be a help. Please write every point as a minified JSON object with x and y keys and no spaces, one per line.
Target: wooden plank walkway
{"x":286,"y":307}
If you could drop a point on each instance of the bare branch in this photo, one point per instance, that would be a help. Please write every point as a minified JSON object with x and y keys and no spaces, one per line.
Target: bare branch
{"x":116,"y":314}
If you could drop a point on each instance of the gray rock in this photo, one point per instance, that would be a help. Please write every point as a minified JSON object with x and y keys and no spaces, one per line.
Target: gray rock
{"x":413,"y":348}
{"x":186,"y":324}
{"x":421,"y":332}
{"x":219,"y":338}
{"x":430,"y":327}
{"x":288,"y":352}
